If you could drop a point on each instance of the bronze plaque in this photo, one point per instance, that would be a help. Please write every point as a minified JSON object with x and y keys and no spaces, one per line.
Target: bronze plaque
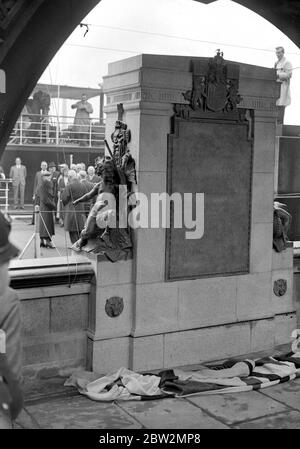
{"x":213,"y":157}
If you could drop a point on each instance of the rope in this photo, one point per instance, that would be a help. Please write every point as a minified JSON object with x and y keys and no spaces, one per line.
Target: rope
{"x":72,"y":199}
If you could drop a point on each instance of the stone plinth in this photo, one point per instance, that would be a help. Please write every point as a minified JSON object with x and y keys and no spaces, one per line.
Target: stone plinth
{"x":54,"y":307}
{"x":191,"y":320}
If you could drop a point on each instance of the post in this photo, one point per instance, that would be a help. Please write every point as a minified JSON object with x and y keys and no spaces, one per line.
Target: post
{"x":101,"y":115}
{"x":57,"y":118}
{"x":47,"y":129}
{"x":21,"y":130}
{"x":6,"y":196}
{"x":57,"y":131}
{"x":58,"y":100}
{"x":90,"y":134}
{"x":37,"y":249}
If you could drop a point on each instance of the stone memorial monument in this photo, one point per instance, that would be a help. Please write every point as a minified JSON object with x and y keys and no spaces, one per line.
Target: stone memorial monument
{"x":202,"y":131}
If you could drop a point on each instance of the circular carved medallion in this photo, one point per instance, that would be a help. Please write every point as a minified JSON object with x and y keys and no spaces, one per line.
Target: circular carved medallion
{"x":280,"y":287}
{"x":114,"y":306}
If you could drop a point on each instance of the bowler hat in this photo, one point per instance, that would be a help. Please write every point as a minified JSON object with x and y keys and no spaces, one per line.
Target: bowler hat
{"x":7,"y":249}
{"x":52,"y":164}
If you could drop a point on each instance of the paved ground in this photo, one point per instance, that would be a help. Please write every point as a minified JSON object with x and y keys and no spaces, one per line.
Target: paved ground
{"x":22,"y":231}
{"x":275,"y":407}
{"x":51,"y":405}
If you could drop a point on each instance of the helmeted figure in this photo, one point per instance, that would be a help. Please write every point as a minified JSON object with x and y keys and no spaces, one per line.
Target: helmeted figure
{"x":120,"y":138}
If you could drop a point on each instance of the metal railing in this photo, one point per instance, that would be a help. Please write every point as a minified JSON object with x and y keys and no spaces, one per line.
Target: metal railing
{"x":4,"y":189}
{"x":57,"y":130}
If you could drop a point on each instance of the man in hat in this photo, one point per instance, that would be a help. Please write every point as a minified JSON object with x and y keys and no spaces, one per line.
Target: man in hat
{"x":38,"y":179}
{"x":74,"y":215}
{"x":10,"y":323}
{"x":48,"y":205}
{"x":54,"y":178}
{"x":36,"y":186}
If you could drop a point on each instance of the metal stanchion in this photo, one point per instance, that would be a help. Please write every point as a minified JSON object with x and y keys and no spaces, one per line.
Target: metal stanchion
{"x":35,"y":238}
{"x":37,"y":248}
{"x":5,"y":191}
{"x":90,"y":135}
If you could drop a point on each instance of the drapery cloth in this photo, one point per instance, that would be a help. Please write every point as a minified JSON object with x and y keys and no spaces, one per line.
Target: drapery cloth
{"x":121,"y":385}
{"x":240,"y":376}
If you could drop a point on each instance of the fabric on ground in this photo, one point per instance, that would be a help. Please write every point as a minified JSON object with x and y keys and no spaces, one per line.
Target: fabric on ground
{"x":121,"y":385}
{"x":242,"y":376}
{"x":240,"y":369}
{"x":266,"y":372}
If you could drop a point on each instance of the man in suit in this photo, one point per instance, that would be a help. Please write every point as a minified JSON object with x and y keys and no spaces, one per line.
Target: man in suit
{"x":54,"y":178}
{"x":92,"y":177}
{"x":36,"y":186}
{"x":88,"y":186}
{"x":284,"y":71}
{"x":18,"y":175}
{"x":38,"y":179}
{"x":47,"y":206}
{"x":74,"y":215}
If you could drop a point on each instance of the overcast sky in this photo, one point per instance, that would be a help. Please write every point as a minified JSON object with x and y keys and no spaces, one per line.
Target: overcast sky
{"x":119,"y":29}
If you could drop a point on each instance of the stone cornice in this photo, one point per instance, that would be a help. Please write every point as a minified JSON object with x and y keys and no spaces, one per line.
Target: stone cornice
{"x":53,"y":271}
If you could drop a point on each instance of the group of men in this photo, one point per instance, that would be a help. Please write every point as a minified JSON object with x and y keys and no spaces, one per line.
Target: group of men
{"x":51,"y":186}
{"x":55,"y":191}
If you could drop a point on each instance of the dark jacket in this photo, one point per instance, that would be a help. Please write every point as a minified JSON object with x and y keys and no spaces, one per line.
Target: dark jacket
{"x":54,"y":178}
{"x":61,"y":185}
{"x":11,"y":362}
{"x":37,"y":182}
{"x":88,"y":187}
{"x":47,"y":206}
{"x":74,"y":219}
{"x":94,"y":179}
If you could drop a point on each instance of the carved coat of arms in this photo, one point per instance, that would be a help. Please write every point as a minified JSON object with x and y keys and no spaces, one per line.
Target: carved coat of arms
{"x":215,"y":86}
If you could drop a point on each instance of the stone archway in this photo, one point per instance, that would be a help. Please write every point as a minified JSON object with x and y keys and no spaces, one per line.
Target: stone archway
{"x":31,"y":33}
{"x":285,"y":14}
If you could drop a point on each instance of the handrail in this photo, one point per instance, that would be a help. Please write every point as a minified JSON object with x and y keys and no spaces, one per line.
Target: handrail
{"x":57,"y":130}
{"x":5,"y":190}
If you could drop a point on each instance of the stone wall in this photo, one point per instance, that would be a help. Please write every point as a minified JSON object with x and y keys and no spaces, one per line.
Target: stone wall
{"x":54,"y":317}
